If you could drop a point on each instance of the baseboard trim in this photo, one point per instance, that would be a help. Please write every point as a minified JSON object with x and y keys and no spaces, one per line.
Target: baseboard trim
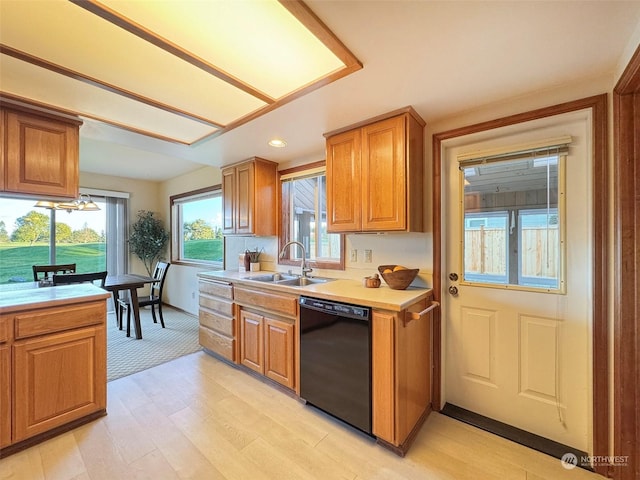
{"x":54,"y":432}
{"x":528,"y":439}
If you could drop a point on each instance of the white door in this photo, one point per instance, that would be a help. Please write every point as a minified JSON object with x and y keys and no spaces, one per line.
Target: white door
{"x":517,"y":234}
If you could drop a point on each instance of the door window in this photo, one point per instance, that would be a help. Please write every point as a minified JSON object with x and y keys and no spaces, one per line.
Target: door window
{"x":512,"y":222}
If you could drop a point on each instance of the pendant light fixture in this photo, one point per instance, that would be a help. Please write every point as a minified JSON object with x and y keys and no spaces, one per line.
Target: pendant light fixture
{"x":83,"y":202}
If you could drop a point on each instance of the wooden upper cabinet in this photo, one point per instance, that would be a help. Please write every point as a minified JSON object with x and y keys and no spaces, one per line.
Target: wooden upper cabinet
{"x":245,"y":204}
{"x":384,"y":176}
{"x":343,"y":194}
{"x":40,"y":154}
{"x":249,"y":198}
{"x":375,"y":175}
{"x":228,"y":200}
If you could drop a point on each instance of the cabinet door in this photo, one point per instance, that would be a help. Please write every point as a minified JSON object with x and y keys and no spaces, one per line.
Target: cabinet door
{"x":5,"y":395}
{"x":384,"y":173}
{"x":58,"y":378}
{"x":245,"y":198}
{"x":413,"y":371}
{"x":383,"y":376}
{"x":344,"y":204}
{"x":41,"y":156}
{"x":251,"y":341}
{"x":228,"y":200}
{"x":278,"y":351}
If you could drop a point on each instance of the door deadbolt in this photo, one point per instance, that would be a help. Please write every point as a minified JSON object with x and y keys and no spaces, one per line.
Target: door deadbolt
{"x":453,"y":290}
{"x":453,"y":276}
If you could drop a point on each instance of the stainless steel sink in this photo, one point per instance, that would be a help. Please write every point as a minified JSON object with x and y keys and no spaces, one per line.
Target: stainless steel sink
{"x":273,"y":278}
{"x":289,"y":280}
{"x":304,"y":281}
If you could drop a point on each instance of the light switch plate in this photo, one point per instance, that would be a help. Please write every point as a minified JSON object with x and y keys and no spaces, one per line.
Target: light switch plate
{"x":354,"y":255}
{"x":367,"y":256}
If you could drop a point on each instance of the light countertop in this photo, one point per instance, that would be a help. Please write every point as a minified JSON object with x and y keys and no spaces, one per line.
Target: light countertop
{"x":22,"y":296}
{"x":341,"y":290}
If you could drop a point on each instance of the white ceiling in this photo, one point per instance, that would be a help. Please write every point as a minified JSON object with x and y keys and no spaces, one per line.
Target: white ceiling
{"x":439,"y":57}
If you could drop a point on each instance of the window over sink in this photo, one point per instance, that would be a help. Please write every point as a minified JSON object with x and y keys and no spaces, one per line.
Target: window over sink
{"x":304,"y":219}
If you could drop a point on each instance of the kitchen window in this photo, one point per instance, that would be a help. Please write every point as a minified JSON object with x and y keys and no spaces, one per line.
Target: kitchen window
{"x":304,"y":219}
{"x":196,"y":227}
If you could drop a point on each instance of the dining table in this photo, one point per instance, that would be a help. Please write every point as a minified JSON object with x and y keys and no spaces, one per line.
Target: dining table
{"x":131,"y":283}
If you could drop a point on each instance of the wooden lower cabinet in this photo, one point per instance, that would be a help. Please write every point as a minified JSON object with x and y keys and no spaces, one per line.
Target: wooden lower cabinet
{"x":57,"y":379}
{"x":5,"y":395}
{"x":278,"y":351}
{"x":267,"y":346}
{"x":53,"y":370}
{"x":401,"y":373}
{"x":252,"y":341}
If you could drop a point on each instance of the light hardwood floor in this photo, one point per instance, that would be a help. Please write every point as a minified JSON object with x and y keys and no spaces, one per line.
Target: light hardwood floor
{"x":198,"y":418}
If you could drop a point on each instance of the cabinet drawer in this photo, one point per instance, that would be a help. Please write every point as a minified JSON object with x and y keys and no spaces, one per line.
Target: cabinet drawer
{"x":218,"y":289}
{"x":217,"y":343}
{"x":218,"y":305}
{"x":217,"y":322}
{"x":39,"y":322}
{"x":285,"y":304}
{"x":5,"y":322}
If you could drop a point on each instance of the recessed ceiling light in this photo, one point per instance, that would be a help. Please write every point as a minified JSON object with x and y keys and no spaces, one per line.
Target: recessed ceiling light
{"x":278,"y":143}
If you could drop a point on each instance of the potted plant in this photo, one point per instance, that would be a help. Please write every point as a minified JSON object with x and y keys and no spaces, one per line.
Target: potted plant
{"x":148,"y":239}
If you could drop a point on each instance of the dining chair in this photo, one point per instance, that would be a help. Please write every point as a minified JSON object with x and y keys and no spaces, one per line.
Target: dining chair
{"x":51,"y":269}
{"x":154,"y":298}
{"x":70,"y":278}
{"x":155,"y":294}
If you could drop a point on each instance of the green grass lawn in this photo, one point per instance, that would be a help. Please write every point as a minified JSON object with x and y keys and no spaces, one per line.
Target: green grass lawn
{"x":16,"y":259}
{"x":210,"y":250}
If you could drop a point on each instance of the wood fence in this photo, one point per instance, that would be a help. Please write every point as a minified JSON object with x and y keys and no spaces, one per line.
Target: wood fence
{"x":486,"y":252}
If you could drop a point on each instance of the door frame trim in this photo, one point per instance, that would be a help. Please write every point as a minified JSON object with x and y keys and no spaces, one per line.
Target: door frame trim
{"x":626,"y":326}
{"x":600,"y":255}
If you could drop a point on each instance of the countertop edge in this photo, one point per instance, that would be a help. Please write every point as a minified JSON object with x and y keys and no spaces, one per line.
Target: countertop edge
{"x":341,"y":290}
{"x":36,"y":298}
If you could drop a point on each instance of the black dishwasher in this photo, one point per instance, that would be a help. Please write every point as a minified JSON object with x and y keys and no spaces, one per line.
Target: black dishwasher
{"x":335,"y":359}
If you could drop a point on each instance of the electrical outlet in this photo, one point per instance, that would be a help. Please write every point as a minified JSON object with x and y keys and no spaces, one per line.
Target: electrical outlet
{"x":367,"y":256}
{"x":193,"y":295}
{"x":354,"y":255}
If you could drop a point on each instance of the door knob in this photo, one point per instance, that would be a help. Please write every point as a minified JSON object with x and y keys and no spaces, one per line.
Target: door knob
{"x":453,"y":290}
{"x":453,"y":276}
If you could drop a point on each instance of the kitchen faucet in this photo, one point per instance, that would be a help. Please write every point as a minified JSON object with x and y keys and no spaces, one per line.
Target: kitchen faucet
{"x":303,"y":265}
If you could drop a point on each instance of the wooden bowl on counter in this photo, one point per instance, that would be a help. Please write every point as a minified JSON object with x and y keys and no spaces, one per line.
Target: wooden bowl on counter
{"x":398,"y":279}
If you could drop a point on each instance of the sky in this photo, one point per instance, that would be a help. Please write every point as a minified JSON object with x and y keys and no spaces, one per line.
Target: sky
{"x":11,"y":209}
{"x":207,"y":210}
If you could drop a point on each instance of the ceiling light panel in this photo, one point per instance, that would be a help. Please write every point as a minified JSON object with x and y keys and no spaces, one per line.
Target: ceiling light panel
{"x":257,"y":41}
{"x":176,"y":70}
{"x":28,"y":81}
{"x":71,"y":37}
